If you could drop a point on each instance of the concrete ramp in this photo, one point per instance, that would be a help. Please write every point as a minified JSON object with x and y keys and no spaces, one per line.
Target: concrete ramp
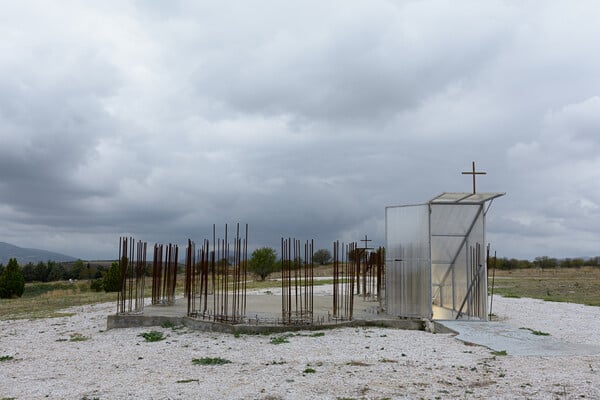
{"x":515,"y":341}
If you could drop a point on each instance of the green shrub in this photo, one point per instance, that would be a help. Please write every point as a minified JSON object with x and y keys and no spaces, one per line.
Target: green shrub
{"x":210,"y":361}
{"x":263,"y":262}
{"x":279,"y":340}
{"x":112,"y":278}
{"x":153,"y":336}
{"x":96,"y":285}
{"x":78,"y":337}
{"x":12,"y":283}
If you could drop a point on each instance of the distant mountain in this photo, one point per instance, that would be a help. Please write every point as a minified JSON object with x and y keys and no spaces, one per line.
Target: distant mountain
{"x":24,"y":256}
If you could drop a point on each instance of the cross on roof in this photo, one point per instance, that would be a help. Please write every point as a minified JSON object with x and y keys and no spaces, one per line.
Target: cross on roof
{"x":473,"y":172}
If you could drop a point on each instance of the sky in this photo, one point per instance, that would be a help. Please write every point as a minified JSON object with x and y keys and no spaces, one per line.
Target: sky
{"x":158,"y":119}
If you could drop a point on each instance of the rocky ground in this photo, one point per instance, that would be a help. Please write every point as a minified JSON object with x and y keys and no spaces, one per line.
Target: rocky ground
{"x":75,"y":357}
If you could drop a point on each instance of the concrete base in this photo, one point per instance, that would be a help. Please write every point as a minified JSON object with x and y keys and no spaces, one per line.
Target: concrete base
{"x":500,"y":336}
{"x":263,"y":315}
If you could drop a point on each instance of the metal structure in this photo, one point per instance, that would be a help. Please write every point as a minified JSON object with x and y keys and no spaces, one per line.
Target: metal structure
{"x":345,"y":267}
{"x":132,"y":265}
{"x":215,"y":282}
{"x":164,"y":274}
{"x":297,"y":282}
{"x":373,"y":273}
{"x":435,"y":266}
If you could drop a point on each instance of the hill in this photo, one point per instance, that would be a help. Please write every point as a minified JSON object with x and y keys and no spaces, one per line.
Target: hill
{"x":24,"y":255}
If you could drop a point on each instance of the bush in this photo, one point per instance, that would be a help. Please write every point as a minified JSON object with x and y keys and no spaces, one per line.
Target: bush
{"x":96,"y":285}
{"x":12,"y":283}
{"x":112,"y":278}
{"x":322,"y":256}
{"x":263,"y":262}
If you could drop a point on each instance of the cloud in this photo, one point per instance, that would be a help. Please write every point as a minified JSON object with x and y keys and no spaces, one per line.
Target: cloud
{"x":303,"y":119}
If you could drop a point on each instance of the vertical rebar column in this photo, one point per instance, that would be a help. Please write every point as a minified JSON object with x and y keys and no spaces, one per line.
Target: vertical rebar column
{"x":140,"y":275}
{"x":190,"y":276}
{"x":121,"y":295}
{"x":132,"y":268}
{"x":336,"y":271}
{"x":157,"y":272}
{"x":353,"y":266}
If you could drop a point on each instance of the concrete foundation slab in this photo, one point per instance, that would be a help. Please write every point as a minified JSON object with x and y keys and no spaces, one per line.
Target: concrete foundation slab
{"x":500,"y":336}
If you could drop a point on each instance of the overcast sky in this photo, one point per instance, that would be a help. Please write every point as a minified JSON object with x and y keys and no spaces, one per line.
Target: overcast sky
{"x":159,"y":118}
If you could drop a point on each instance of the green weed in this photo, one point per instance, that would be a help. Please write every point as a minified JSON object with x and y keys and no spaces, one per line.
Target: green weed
{"x":78,"y":337}
{"x":537,"y":333}
{"x":279,"y":340}
{"x":153,"y":336}
{"x":210,"y":361}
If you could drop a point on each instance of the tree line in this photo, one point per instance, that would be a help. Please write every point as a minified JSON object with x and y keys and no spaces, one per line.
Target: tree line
{"x":545,"y":262}
{"x":52,"y":271}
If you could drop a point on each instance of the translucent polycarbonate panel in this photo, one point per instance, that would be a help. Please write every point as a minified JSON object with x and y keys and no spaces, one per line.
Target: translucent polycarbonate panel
{"x":449,"y":197}
{"x":465,"y":198}
{"x":408,"y":274}
{"x":452,"y":219}
{"x":455,"y":228}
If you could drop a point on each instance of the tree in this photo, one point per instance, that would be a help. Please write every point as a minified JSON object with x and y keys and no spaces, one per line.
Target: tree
{"x":112,"y":278}
{"x":545,"y":262}
{"x":76,"y":270}
{"x":28,"y":272}
{"x":40,"y":272}
{"x":12,"y":283}
{"x":263,"y":262}
{"x":56,"y":272}
{"x":322,"y":256}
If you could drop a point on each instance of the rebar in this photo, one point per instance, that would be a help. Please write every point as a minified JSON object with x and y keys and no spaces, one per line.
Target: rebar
{"x":221,"y":272}
{"x":132,"y":268}
{"x":344,"y":274}
{"x":297,"y":282}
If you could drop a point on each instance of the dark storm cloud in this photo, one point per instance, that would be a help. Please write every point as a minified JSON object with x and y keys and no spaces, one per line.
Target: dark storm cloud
{"x":158,"y":119}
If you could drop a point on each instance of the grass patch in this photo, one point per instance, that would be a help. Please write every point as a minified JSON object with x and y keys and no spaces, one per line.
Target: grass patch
{"x":210,"y":361}
{"x":153,"y":336}
{"x":279,"y":340}
{"x":500,"y":353}
{"x":188,"y":380}
{"x":44,"y":300}
{"x":309,"y":371}
{"x":6,"y":358}
{"x":78,"y":337}
{"x":572,"y":285}
{"x":537,"y":333}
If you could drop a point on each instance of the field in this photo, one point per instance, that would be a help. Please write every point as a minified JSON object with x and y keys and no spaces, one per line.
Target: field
{"x":572,"y":285}
{"x":582,"y":286}
{"x":44,"y":300}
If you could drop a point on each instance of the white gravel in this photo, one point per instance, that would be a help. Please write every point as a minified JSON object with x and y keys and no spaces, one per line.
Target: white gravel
{"x":369,"y":363}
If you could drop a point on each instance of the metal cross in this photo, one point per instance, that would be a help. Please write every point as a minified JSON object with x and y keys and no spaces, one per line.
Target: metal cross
{"x":366,"y":241}
{"x":473,"y":172}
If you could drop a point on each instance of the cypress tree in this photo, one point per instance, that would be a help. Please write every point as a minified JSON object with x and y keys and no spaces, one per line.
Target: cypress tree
{"x":12,"y":283}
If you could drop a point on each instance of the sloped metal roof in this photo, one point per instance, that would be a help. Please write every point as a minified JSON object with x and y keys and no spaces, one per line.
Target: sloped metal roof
{"x":464,"y":198}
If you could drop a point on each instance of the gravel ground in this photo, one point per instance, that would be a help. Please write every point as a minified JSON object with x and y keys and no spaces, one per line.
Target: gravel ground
{"x":370,"y":363}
